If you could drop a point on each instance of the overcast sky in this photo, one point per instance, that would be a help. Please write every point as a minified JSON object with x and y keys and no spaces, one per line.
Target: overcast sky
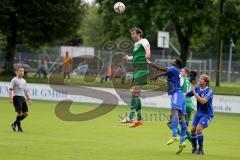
{"x":89,"y":1}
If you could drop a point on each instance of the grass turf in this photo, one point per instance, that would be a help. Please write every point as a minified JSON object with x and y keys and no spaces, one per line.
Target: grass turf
{"x":49,"y":138}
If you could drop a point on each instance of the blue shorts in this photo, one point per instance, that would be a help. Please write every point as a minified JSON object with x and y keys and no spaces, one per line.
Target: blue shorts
{"x":178,"y":101}
{"x":202,"y":119}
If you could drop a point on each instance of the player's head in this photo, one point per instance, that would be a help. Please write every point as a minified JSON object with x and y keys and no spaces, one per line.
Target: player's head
{"x":177,"y":63}
{"x":204,"y":80}
{"x":67,"y":53}
{"x":20,"y":71}
{"x":136,"y":33}
{"x":185,"y":72}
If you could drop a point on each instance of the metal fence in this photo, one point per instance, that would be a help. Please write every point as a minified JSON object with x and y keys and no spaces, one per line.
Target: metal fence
{"x":51,"y":55}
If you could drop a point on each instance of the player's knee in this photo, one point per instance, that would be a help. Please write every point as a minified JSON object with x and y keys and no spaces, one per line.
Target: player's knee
{"x":193,"y":130}
{"x":25,"y":114}
{"x":182,"y":118}
{"x":199,"y":129}
{"x":19,"y":113}
{"x":174,"y":112}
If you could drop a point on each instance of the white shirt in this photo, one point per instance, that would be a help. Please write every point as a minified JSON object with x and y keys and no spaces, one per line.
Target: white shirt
{"x":144,"y":42}
{"x":18,"y":85}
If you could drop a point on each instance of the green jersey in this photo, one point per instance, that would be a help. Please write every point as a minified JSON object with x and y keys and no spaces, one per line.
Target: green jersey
{"x":139,"y":64}
{"x":139,"y":53}
{"x":186,"y":87}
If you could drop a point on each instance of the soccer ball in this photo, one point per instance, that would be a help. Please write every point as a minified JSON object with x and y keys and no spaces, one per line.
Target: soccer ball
{"x":119,"y":7}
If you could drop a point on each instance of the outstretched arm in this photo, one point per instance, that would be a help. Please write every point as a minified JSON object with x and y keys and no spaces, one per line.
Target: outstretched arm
{"x":154,"y":78}
{"x":157,"y":67}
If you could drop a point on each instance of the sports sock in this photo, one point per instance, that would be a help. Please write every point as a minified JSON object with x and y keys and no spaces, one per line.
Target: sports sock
{"x":200,"y":139}
{"x":139,"y":108}
{"x":17,"y":121}
{"x":22,"y":117}
{"x":170,"y":127}
{"x":194,"y":141}
{"x":183,"y":130}
{"x":175,"y":121}
{"x":133,"y":108}
{"x":139,"y":115}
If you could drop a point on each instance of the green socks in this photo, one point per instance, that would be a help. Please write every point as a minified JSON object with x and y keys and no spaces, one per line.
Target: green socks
{"x":136,"y":106}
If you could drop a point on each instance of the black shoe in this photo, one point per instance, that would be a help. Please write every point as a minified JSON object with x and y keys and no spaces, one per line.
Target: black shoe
{"x":194,"y":151}
{"x":13,"y":126}
{"x":200,"y":152}
{"x":20,"y":128}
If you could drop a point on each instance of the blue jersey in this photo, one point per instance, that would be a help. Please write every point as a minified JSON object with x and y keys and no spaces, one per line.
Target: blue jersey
{"x":207,"y":93}
{"x":173,"y":78}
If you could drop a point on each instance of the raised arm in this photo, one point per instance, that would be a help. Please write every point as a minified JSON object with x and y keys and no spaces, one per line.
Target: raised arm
{"x":157,"y":67}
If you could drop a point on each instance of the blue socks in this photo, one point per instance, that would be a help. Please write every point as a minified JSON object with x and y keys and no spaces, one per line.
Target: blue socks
{"x":197,"y":138}
{"x":194,"y":142}
{"x":183,"y":130}
{"x":200,"y":139}
{"x":175,"y":121}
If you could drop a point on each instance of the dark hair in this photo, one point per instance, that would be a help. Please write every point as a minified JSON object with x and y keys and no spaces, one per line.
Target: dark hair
{"x":19,"y":67}
{"x":179,"y":63}
{"x":137,"y":30}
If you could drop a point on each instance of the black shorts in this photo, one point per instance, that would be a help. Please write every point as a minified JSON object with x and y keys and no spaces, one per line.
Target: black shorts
{"x":20,"y":104}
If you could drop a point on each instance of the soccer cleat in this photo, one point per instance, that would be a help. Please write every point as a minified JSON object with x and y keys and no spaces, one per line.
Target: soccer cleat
{"x":172,"y":140}
{"x":194,"y":151}
{"x":13,"y":126}
{"x":126,"y":120}
{"x":181,"y":147}
{"x":136,"y":124}
{"x":20,"y":128}
{"x":200,"y":152}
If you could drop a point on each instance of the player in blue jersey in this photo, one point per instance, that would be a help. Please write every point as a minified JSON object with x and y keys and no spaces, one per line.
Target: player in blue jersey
{"x":204,"y":96}
{"x":178,"y":101}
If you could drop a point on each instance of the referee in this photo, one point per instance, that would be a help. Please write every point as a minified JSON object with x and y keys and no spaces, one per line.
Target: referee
{"x":17,"y":94}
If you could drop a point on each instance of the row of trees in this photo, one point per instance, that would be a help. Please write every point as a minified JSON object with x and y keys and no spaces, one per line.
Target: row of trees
{"x":37,"y":23}
{"x":196,"y":23}
{"x":193,"y":21}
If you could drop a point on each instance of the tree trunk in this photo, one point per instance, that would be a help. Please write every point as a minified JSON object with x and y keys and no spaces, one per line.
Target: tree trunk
{"x":11,"y":45}
{"x":184,"y":49}
{"x":184,"y":40}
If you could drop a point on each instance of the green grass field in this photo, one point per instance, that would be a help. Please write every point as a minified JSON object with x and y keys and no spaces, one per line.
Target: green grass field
{"x":48,"y":138}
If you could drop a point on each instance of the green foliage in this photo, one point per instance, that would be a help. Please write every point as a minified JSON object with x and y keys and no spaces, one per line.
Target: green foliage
{"x":137,"y":13}
{"x":41,"y":22}
{"x":37,"y":23}
{"x":92,"y":28}
{"x":230,"y":20}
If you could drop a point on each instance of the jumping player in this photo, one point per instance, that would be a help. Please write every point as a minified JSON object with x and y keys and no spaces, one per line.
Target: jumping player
{"x":141,"y":53}
{"x":178,"y":101}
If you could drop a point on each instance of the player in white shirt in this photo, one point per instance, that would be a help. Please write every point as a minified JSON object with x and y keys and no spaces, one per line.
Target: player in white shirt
{"x":17,"y":94}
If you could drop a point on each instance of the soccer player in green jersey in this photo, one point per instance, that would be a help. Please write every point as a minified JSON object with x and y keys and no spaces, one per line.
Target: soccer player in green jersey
{"x":186,"y":87}
{"x":141,"y":53}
